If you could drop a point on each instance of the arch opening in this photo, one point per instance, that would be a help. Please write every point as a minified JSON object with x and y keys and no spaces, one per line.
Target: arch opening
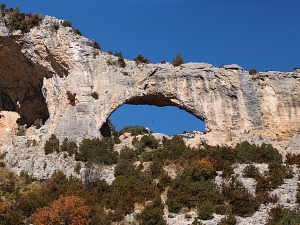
{"x":168,"y":119}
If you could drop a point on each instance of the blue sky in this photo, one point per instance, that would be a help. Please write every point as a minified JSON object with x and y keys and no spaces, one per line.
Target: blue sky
{"x":261,"y":34}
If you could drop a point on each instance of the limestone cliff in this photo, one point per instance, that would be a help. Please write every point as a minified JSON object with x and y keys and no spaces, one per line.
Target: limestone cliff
{"x":65,"y":69}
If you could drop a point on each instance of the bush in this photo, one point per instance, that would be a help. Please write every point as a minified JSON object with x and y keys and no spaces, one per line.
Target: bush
{"x":156,"y":169}
{"x":163,"y":62}
{"x":70,"y":147}
{"x":251,"y":171}
{"x":141,"y":59}
{"x":205,"y":211}
{"x":178,"y":60}
{"x":71,"y":98}
{"x":278,"y":215}
{"x":78,"y":168}
{"x":152,"y":214}
{"x":66,"y":210}
{"x":240,"y":200}
{"x":96,"y":45}
{"x":128,"y":154}
{"x":121,"y":61}
{"x":135,"y":130}
{"x":245,"y":152}
{"x":38,"y":123}
{"x":52,"y":145}
{"x":97,"y":151}
{"x":228,"y":220}
{"x":95,"y":95}
{"x":16,"y":20}
{"x":252,"y":71}
{"x":21,"y":130}
{"x":78,"y":32}
{"x":293,"y":159}
{"x":66,"y":24}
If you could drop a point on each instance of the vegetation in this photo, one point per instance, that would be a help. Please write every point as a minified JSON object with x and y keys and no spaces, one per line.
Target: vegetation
{"x":121,"y":61}
{"x":96,"y":45}
{"x":95,"y":95}
{"x":38,"y":123}
{"x":66,"y":24}
{"x":141,"y":175}
{"x":16,"y":20}
{"x":135,"y":130}
{"x":21,"y":130}
{"x":52,"y":145}
{"x":140,"y":59}
{"x":178,"y":60}
{"x":152,"y":214}
{"x":279,"y":215}
{"x":97,"y":151}
{"x":71,"y":98}
{"x":252,"y":71}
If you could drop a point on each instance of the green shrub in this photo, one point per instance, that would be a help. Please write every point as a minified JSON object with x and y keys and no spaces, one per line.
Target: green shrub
{"x":252,"y":71}
{"x":38,"y":123}
{"x":52,"y":145}
{"x":78,"y":32}
{"x":78,"y":168}
{"x":176,"y":147}
{"x":2,"y":6}
{"x":160,"y":153}
{"x":97,"y":151}
{"x":135,"y":130}
{"x":228,"y":220}
{"x":245,"y":152}
{"x":280,"y":216}
{"x":109,"y":52}
{"x":21,"y":130}
{"x":251,"y":171}
{"x":293,"y":159}
{"x":240,"y":200}
{"x":96,"y":45}
{"x":205,"y":210}
{"x":178,"y":60}
{"x":156,"y":169}
{"x":70,"y":147}
{"x":66,"y":24}
{"x":140,"y":59}
{"x":95,"y":95}
{"x":128,"y":153}
{"x":164,"y":181}
{"x":152,"y":214}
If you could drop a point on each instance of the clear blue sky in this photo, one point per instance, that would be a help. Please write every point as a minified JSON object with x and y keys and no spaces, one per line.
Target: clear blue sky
{"x":261,"y":34}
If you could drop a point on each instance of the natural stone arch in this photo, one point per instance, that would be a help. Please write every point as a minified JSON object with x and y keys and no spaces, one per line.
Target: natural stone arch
{"x":233,"y":104}
{"x":157,"y":99}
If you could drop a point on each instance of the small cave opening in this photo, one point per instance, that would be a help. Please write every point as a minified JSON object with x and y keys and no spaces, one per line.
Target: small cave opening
{"x":169,"y":120}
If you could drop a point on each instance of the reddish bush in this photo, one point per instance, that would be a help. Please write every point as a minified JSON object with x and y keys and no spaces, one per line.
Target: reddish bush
{"x":70,"y":210}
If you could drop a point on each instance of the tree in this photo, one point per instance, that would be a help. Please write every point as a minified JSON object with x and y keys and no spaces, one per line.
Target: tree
{"x":71,"y":210}
{"x":252,"y":71}
{"x":2,"y":7}
{"x":141,"y":59}
{"x":178,"y":60}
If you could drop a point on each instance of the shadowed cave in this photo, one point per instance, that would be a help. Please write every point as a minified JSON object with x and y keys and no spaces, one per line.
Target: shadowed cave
{"x":21,"y":80}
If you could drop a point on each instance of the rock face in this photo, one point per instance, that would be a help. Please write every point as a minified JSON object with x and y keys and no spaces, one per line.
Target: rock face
{"x":232,"y":103}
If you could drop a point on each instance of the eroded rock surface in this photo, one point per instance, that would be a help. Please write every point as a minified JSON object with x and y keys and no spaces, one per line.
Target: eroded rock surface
{"x":233,"y":104}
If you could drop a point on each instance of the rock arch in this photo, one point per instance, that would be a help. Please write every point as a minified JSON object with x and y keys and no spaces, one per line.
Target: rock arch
{"x":232,"y":103}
